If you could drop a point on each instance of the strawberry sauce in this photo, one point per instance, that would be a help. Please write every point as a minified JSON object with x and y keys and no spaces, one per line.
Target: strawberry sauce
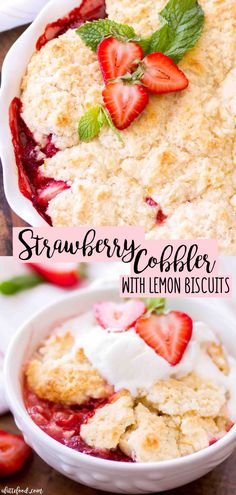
{"x":89,"y":10}
{"x":38,"y":189}
{"x":32,"y":183}
{"x":63,"y":424}
{"x":160,"y":216}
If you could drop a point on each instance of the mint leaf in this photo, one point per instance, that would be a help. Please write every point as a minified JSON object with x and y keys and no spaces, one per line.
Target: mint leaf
{"x":145,"y":44}
{"x":92,"y":33}
{"x":91,"y":123}
{"x":20,"y":283}
{"x":154,"y":305}
{"x":181,"y":26}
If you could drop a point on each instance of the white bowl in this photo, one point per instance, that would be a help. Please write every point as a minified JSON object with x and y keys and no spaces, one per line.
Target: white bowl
{"x":116,"y":477}
{"x":13,"y":69}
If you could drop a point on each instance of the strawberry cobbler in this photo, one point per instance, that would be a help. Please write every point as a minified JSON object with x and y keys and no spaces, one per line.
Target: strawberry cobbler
{"x":132,"y":382}
{"x":161,"y":161}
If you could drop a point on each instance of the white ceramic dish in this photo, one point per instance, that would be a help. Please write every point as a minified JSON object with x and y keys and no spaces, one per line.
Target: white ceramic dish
{"x":13,"y":69}
{"x":116,"y":477}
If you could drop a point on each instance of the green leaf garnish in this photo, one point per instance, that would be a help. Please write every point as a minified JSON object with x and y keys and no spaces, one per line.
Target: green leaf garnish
{"x":181,"y":26}
{"x":145,"y":44}
{"x":93,"y":32}
{"x":82,"y":271}
{"x":154,"y":305}
{"x":108,"y":120}
{"x":92,"y":122}
{"x":20,"y":283}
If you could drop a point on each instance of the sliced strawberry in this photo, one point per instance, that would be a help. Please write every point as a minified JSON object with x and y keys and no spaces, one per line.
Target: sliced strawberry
{"x":13,"y":453}
{"x":116,"y":58}
{"x":118,"y":317}
{"x":161,"y":75}
{"x":61,"y":274}
{"x":168,"y":334}
{"x":50,"y":191}
{"x":124,"y":102}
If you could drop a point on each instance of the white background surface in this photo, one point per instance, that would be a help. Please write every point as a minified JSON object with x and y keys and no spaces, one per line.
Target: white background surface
{"x":18,"y":12}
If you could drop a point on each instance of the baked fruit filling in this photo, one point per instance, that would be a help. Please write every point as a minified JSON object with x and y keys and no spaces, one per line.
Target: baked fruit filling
{"x":132,"y":382}
{"x":171,"y":170}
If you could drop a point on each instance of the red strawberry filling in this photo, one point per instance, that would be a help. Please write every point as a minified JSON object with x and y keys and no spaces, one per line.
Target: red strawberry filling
{"x":118,"y":317}
{"x":50,"y":149}
{"x":89,"y":10}
{"x":32,"y":184}
{"x":63,"y":424}
{"x":50,"y":191}
{"x":160,"y":216}
{"x":40,"y":190}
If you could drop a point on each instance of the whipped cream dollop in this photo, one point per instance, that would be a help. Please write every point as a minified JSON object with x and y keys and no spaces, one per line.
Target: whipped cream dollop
{"x":126,"y":361}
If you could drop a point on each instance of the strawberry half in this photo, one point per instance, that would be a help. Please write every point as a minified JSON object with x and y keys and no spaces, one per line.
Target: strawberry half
{"x":124,"y":102}
{"x":118,"y":317}
{"x":116,"y":58}
{"x":13,"y":453}
{"x":161,"y":75}
{"x":50,"y":191}
{"x":168,"y":334}
{"x":61,"y":274}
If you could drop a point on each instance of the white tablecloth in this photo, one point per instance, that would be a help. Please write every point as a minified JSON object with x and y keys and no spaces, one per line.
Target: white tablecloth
{"x":18,"y":12}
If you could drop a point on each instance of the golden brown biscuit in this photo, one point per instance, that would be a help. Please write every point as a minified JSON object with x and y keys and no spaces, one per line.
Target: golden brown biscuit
{"x":105,"y":428}
{"x":60,"y":373}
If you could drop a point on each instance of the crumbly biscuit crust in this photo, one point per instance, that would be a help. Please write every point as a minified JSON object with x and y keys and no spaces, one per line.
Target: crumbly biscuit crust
{"x":173,"y":418}
{"x":59,"y":375}
{"x":180,"y":151}
{"x":108,"y":424}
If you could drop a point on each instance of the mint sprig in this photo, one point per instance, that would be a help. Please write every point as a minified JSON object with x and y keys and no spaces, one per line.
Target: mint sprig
{"x":19,"y":284}
{"x":181,"y":24}
{"x":92,"y":122}
{"x":93,"y":32}
{"x":154,"y":305}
